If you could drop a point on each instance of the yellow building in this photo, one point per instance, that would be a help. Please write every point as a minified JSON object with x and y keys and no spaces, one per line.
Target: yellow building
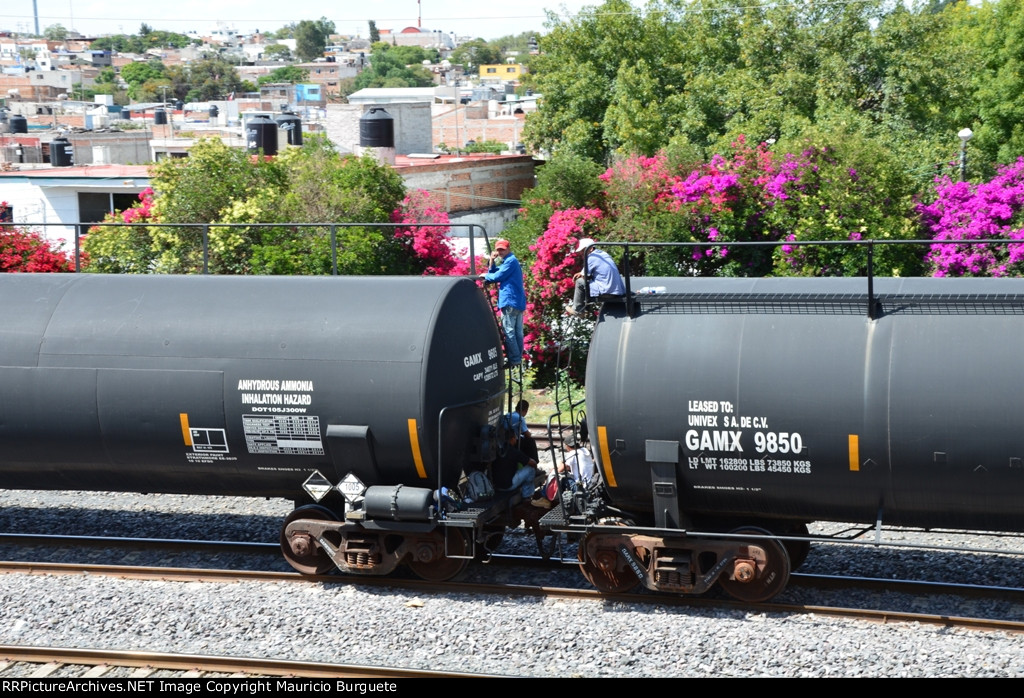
{"x":502,"y":72}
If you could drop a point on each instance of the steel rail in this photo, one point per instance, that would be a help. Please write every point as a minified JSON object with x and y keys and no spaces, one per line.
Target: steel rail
{"x":249,"y":666}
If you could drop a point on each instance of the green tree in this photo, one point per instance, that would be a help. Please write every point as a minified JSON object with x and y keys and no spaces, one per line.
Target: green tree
{"x":328,"y":186}
{"x":199,"y":189}
{"x":616,"y":81}
{"x":288,"y":73}
{"x":138,"y":72}
{"x":476,"y":52}
{"x":211,"y":78}
{"x":311,"y":38}
{"x":277,"y":51}
{"x":55,"y":32}
{"x":217,"y":184}
{"x":577,"y":70}
{"x":374,"y":33}
{"x":387,"y":69}
{"x":994,"y":33}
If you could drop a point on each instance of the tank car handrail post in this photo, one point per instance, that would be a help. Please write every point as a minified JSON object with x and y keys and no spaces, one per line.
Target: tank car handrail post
{"x":472,"y":249}
{"x":206,"y":248}
{"x":334,"y":249}
{"x":871,"y":280}
{"x":78,"y":249}
{"x":626,"y":274}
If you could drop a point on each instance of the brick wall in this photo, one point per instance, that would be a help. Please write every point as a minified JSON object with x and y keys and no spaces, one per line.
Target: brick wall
{"x":456,"y":128}
{"x":466,"y":184}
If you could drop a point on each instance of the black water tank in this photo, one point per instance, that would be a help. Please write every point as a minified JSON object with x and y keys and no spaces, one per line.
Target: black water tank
{"x":19,"y":124}
{"x":179,"y":105}
{"x":377,"y":129}
{"x":261,"y":134}
{"x":214,"y":111}
{"x":61,"y":152}
{"x":292,"y":125}
{"x":126,"y":114}
{"x":159,"y":117}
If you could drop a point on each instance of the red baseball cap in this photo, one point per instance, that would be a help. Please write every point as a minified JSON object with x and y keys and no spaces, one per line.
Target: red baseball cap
{"x":501,"y":245}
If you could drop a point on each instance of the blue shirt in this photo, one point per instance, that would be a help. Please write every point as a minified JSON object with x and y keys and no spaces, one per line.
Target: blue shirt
{"x":604,"y":277}
{"x":515,"y":423}
{"x":510,"y":277}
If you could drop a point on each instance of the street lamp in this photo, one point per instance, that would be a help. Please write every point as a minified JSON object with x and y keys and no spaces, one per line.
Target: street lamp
{"x":964,"y":135}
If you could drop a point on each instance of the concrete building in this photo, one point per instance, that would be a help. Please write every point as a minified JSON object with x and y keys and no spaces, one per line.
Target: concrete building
{"x":411,"y":125}
{"x":502,"y":72}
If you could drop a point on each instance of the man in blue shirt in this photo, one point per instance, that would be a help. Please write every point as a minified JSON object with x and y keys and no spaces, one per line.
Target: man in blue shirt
{"x":602,"y":274}
{"x":511,"y":297}
{"x":516,"y":422}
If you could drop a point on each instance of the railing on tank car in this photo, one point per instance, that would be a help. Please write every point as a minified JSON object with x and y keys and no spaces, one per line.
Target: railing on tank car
{"x":81,"y":229}
{"x":873,"y":306}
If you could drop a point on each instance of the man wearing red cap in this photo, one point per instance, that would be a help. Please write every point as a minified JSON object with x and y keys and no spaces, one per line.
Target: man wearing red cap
{"x":511,"y":297}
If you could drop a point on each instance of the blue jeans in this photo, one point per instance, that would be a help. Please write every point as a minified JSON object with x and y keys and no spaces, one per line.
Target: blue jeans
{"x":512,"y":324}
{"x":524,"y":480}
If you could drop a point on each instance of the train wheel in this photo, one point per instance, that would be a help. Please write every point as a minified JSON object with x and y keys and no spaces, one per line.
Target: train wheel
{"x":602,"y":568}
{"x":761,"y":570}
{"x":301,"y":550}
{"x":433,"y":564}
{"x":798,"y":550}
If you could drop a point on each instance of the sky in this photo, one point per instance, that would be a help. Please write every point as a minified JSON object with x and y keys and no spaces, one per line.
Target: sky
{"x":488,"y":20}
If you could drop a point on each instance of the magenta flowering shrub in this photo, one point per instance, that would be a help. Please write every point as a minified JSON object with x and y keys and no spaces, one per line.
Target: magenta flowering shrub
{"x":141,"y":212}
{"x":550,"y":287}
{"x":430,"y":247}
{"x":724,"y":201}
{"x":992,"y":210}
{"x":28,"y":251}
{"x":826,"y":194}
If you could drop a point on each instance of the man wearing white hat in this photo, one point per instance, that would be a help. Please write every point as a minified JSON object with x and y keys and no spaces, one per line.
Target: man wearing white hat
{"x":603,"y":277}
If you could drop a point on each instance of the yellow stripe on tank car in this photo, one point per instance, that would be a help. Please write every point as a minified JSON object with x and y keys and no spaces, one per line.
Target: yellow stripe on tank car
{"x":854,"y":452}
{"x":414,"y":444}
{"x":606,"y":456}
{"x":185,"y":431}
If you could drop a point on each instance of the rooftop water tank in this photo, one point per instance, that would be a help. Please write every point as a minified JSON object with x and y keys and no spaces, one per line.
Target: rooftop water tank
{"x":261,"y":134}
{"x":291,"y":126}
{"x":377,"y":129}
{"x":62,"y":154}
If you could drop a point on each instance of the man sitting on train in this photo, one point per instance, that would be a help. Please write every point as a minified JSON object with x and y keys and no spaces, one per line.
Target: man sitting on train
{"x":513,"y":469}
{"x":578,"y":467}
{"x":516,"y":421}
{"x":600,"y":273}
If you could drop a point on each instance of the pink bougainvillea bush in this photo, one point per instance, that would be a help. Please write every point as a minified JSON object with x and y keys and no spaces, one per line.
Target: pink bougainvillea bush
{"x":962,"y":211}
{"x":550,"y":289}
{"x":28,"y":251}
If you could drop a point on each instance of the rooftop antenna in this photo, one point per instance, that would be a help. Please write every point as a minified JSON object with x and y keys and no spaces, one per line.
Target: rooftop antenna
{"x":419,"y":14}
